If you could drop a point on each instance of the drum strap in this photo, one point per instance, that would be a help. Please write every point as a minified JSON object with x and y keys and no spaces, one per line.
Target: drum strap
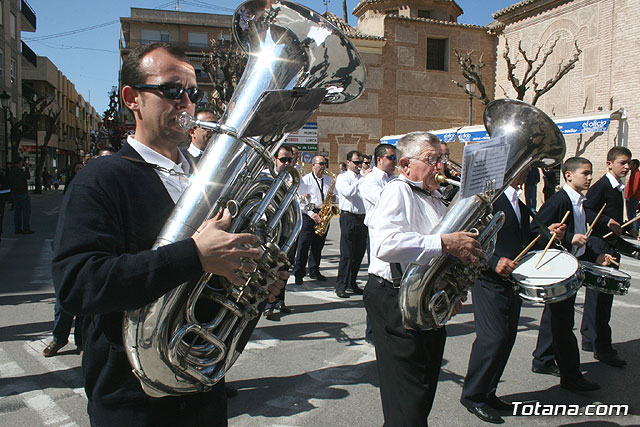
{"x":543,"y":228}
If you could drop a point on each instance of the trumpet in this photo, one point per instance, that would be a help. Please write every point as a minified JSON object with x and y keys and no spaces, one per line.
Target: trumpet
{"x":441,"y":179}
{"x":457,"y":167}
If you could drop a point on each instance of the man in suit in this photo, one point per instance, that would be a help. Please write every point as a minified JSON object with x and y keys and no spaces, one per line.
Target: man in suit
{"x":353,"y":232}
{"x":409,"y":361}
{"x":496,"y":308}
{"x":595,"y":329}
{"x":557,"y":350}
{"x":200,"y":137}
{"x":103,"y":266}
{"x":315,"y":185}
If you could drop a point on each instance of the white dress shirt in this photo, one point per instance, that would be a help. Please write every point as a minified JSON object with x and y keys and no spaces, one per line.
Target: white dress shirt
{"x":371,"y":187}
{"x":194,"y":151}
{"x":399,"y":228}
{"x":615,"y":183}
{"x":514,"y":196}
{"x":175,"y":184}
{"x":348,"y":188}
{"x":310,"y":184}
{"x":579,"y":217}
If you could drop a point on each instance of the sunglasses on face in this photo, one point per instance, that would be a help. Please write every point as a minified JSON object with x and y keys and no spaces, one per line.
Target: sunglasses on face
{"x":391,"y":157}
{"x":367,"y":163}
{"x":356,"y":162}
{"x":173,"y":91}
{"x":285,"y":159}
{"x":321,"y":163}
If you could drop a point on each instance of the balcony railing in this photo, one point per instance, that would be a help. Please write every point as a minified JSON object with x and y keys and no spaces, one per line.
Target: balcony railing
{"x":29,"y":55}
{"x":186,"y":46}
{"x":28,"y":13}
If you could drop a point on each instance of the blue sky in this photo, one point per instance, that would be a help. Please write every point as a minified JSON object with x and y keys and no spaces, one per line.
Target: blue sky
{"x":90,"y":58}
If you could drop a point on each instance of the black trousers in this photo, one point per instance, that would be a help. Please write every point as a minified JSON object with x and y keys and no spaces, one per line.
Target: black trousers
{"x":496,"y":310}
{"x":309,"y":248}
{"x":595,"y":327}
{"x":408,"y":361}
{"x":557,"y":344}
{"x":353,"y":243}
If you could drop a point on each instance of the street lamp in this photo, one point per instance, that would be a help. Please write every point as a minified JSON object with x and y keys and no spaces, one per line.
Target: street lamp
{"x":4,"y":100}
{"x":470,"y":87}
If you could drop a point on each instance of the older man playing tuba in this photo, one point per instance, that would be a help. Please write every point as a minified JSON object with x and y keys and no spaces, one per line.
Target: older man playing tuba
{"x":407,"y":211}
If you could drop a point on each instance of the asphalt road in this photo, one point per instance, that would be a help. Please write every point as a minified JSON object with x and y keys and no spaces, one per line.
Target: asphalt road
{"x":310,"y":368}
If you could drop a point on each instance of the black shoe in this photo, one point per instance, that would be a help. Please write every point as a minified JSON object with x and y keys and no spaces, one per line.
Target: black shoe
{"x":587,"y":346}
{"x":298,"y":281}
{"x":610,"y":358}
{"x":284,"y":309}
{"x":318,"y":276}
{"x":485,"y":413}
{"x":230,"y":390}
{"x":268,"y":312}
{"x":342,"y":294}
{"x":356,"y":291}
{"x":581,"y":384}
{"x":499,"y":405}
{"x":547,"y":370}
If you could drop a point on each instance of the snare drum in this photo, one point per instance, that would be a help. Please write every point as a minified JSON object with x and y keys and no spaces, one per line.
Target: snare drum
{"x":557,"y":278}
{"x":629,"y":247}
{"x":605,"y":279}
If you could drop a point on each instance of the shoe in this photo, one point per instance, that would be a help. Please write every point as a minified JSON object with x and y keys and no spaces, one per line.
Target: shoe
{"x":499,"y":405}
{"x":580,"y":384}
{"x":342,"y":294}
{"x":284,"y":309}
{"x":318,"y":276}
{"x":587,"y":346}
{"x":268,"y":312}
{"x":547,"y":370}
{"x":79,"y":349}
{"x":230,"y":390}
{"x":52,"y":349}
{"x":485,"y":413}
{"x":610,"y":358}
{"x":298,"y":281}
{"x":356,"y":291}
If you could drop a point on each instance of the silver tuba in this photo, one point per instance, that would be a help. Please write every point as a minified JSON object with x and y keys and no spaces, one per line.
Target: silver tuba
{"x":185,"y":341}
{"x":429,"y":292}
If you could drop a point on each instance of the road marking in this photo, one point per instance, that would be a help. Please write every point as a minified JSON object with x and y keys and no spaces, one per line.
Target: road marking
{"x":264,"y":341}
{"x":54,"y":211}
{"x":29,"y":392}
{"x":51,"y":364}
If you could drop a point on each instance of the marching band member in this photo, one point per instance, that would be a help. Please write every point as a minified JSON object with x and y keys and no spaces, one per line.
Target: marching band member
{"x":557,"y":350}
{"x":595,"y":329}
{"x":496,"y":308}
{"x":408,"y":361}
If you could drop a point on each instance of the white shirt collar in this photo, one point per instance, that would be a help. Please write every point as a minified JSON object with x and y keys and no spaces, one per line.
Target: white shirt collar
{"x":194,"y":151}
{"x":575,"y":197}
{"x":614,"y":182}
{"x":150,"y":155}
{"x":512,"y":194}
{"x":381,"y":173}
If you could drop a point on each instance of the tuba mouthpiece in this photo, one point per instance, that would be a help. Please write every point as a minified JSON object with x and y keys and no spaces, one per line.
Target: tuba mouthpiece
{"x":186,"y":121}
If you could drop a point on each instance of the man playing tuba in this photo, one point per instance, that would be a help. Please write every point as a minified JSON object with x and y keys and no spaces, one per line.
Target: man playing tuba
{"x":408,"y":361}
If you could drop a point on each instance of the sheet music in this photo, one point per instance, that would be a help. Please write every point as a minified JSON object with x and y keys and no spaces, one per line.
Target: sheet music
{"x":483,"y":166}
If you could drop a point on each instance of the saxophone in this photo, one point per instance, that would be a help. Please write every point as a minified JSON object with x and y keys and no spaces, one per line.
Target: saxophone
{"x":328,"y":209}
{"x":186,"y":341}
{"x":428,"y":293}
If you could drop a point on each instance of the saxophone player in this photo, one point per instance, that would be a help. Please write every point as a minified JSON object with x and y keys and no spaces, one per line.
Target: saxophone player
{"x":112,"y":213}
{"x":317,"y":185}
{"x":408,"y":361}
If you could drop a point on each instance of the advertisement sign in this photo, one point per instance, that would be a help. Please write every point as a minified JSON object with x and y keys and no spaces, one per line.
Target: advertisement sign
{"x":306,"y":139}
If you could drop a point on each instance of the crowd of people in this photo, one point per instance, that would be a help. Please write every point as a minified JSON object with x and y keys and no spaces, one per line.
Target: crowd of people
{"x":389,"y":203}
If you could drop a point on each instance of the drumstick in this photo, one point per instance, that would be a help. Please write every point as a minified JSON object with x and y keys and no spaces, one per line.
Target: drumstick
{"x":623,"y":226}
{"x":525,"y":250}
{"x":590,"y":229}
{"x":553,"y":237}
{"x":615,"y":262}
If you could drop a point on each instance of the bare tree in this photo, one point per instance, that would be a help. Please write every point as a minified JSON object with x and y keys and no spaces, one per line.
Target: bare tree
{"x":224,"y":66}
{"x":51,"y":120}
{"x":344,"y":11}
{"x":533,"y":65}
{"x":471,"y":71}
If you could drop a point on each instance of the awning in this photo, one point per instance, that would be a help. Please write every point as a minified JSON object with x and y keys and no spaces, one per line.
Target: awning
{"x":586,"y":123}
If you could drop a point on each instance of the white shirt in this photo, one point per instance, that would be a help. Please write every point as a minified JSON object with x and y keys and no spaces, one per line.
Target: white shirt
{"x":175,"y":184}
{"x":514,"y":196}
{"x":615,"y":183}
{"x":579,"y":217}
{"x":348,"y":188}
{"x":194,"y":151}
{"x":310,"y":184}
{"x":399,"y":228}
{"x":371,"y":187}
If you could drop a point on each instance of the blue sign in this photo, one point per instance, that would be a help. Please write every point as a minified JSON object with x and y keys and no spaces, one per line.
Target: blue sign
{"x":584,"y":126}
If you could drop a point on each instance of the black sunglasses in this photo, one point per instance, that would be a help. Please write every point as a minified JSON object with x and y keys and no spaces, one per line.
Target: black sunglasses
{"x":367,"y":163}
{"x":174,"y":91}
{"x":286,"y":159}
{"x":356,"y":162}
{"x":321,"y":163}
{"x":391,"y":157}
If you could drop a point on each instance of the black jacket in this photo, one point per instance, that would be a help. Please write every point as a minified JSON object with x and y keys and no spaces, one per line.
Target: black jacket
{"x":600,"y":193}
{"x":512,"y":238}
{"x":103,"y":265}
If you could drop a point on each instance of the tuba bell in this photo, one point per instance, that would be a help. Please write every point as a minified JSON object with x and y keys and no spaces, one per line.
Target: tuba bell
{"x":185,"y":341}
{"x":428,"y":293}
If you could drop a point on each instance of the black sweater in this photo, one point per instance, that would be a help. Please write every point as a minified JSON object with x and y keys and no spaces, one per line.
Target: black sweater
{"x":103,"y":265}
